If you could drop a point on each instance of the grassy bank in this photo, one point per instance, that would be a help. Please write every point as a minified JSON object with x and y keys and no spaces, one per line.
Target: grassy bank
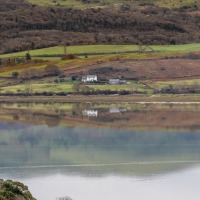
{"x":69,"y":87}
{"x":103,"y":99}
{"x":162,"y":84}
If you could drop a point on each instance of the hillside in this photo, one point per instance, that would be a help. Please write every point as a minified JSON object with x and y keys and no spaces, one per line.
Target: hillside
{"x":29,"y":26}
{"x":147,"y":73}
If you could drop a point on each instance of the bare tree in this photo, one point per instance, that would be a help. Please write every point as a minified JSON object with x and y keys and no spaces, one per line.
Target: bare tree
{"x":28,"y":87}
{"x":63,"y":198}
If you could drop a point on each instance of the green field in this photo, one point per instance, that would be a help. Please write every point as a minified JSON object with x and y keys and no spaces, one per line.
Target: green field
{"x":68,"y":87}
{"x":36,"y":87}
{"x":162,"y":84}
{"x":95,"y":49}
{"x":129,"y":87}
{"x":84,"y":49}
{"x":174,"y":3}
{"x":64,"y":3}
{"x":80,"y":4}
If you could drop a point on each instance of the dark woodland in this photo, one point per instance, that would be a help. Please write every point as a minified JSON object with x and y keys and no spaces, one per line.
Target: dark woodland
{"x":25,"y":26}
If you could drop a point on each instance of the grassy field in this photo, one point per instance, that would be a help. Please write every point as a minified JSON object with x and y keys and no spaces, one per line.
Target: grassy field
{"x":68,"y":87}
{"x":174,"y":3}
{"x":91,"y":49}
{"x":7,"y":71}
{"x":65,"y":3}
{"x":129,"y":87}
{"x":162,"y":84}
{"x":84,"y":49}
{"x":36,"y":87}
{"x":79,"y":4}
{"x":177,"y":48}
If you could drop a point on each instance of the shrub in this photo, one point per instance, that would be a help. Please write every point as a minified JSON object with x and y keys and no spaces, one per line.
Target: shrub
{"x":15,"y":74}
{"x":74,"y":78}
{"x":69,"y":57}
{"x":30,"y":73}
{"x":124,"y":92}
{"x":62,"y":80}
{"x":52,"y":70}
{"x":28,"y":56}
{"x":192,"y":56}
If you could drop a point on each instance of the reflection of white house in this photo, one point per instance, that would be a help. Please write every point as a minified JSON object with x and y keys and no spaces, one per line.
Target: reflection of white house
{"x":117,"y":81}
{"x":114,"y":110}
{"x":117,"y":110}
{"x":90,"y":113}
{"x":89,"y":78}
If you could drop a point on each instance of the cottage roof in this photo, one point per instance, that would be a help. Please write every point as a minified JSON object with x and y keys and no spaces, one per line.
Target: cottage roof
{"x":91,"y":76}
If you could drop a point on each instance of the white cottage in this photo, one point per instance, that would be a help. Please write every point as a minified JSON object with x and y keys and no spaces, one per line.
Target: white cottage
{"x":89,"y":78}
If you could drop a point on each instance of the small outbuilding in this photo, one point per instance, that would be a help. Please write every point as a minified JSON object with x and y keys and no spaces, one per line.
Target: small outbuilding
{"x":114,"y":81}
{"x":89,"y":78}
{"x":122,"y":81}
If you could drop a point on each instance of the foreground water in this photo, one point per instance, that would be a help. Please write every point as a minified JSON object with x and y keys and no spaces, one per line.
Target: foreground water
{"x":102,"y":152}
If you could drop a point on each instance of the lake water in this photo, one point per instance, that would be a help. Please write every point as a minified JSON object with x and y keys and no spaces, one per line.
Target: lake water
{"x":102,"y":152}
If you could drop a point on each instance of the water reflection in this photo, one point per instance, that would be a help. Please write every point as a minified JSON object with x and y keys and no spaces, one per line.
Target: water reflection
{"x":117,"y":110}
{"x":96,"y":151}
{"x":90,"y":113}
{"x":118,"y":116}
{"x":180,"y":186}
{"x":92,"y":144}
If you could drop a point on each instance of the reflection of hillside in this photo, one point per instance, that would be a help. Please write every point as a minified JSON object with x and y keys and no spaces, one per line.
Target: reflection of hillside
{"x":86,"y":150}
{"x":153,"y":119}
{"x":142,"y":171}
{"x":130,"y":116}
{"x":50,"y":115}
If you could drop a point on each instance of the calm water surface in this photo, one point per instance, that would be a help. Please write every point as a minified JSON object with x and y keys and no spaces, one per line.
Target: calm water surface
{"x":102,"y":152}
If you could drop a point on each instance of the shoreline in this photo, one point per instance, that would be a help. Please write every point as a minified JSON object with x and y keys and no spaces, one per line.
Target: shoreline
{"x":138,"y":99}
